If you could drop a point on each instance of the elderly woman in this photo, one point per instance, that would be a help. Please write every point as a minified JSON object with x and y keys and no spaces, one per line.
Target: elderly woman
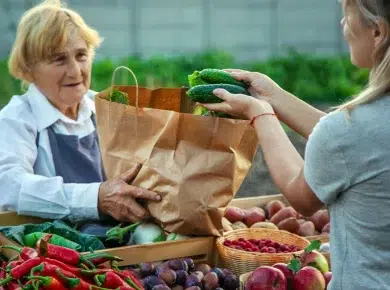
{"x":50,"y":163}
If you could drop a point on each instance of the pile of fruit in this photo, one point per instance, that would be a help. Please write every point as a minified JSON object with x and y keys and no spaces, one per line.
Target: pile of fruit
{"x":179,"y":274}
{"x":309,"y":271}
{"x":277,"y":215}
{"x":260,"y":245}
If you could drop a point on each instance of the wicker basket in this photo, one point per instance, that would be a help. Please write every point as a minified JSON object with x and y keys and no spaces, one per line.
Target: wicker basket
{"x":321,"y":238}
{"x":241,"y":262}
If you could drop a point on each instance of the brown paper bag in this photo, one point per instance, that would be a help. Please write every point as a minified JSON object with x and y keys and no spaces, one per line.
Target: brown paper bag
{"x":196,"y":163}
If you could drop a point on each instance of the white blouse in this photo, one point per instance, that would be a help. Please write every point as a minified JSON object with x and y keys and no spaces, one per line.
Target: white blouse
{"x":28,"y":183}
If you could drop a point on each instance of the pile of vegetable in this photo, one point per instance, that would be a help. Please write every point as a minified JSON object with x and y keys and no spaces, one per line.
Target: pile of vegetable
{"x":127,"y":235}
{"x":179,"y":274}
{"x":48,"y":266}
{"x":119,"y":97}
{"x":203,"y":83}
{"x":90,"y":235}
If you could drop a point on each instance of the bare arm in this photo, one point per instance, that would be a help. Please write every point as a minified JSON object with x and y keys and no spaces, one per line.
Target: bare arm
{"x":285,"y":164}
{"x":283,"y":160}
{"x":295,"y":113}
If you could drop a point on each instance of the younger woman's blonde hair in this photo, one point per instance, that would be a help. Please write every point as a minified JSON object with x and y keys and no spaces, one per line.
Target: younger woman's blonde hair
{"x":371,"y":12}
{"x":44,"y":30}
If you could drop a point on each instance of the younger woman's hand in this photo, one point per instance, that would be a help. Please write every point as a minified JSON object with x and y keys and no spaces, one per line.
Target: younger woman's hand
{"x":261,"y":86}
{"x":239,"y":105}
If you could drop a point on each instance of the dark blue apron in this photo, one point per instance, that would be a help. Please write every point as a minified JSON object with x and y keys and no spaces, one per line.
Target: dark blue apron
{"x":77,"y":160}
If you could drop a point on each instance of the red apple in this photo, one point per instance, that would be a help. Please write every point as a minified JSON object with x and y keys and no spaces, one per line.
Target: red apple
{"x":309,"y":278}
{"x":328,"y":277}
{"x":286,"y":272}
{"x":253,"y":215}
{"x":316,"y":260}
{"x":266,"y":278}
{"x":234,"y":214}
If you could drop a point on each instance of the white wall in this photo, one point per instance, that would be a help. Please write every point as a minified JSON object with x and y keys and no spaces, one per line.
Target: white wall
{"x":249,"y":29}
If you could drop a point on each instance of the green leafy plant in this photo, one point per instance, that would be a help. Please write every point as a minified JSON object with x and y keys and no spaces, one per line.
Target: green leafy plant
{"x":314,"y":79}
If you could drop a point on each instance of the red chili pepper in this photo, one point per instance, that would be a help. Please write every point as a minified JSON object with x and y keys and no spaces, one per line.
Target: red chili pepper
{"x":47,"y":269}
{"x":100,"y":258}
{"x":25,"y":253}
{"x":13,"y":285}
{"x":66,"y":255}
{"x":48,"y":282}
{"x":2,"y":270}
{"x":110,"y":280}
{"x":62,"y":266}
{"x":2,"y":273}
{"x":21,"y":270}
{"x":73,"y":283}
{"x":130,"y":279}
{"x":13,"y":264}
{"x":94,"y":287}
{"x":17,"y":285}
{"x":125,"y":275}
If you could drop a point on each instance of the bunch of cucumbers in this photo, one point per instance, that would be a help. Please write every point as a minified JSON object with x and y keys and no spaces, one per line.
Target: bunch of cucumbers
{"x":203,"y":83}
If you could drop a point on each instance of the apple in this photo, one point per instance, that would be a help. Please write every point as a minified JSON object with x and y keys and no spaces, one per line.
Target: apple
{"x":253,"y":215}
{"x":266,"y":278}
{"x":309,"y":278}
{"x":286,"y":272}
{"x":316,"y":260}
{"x":328,"y":277}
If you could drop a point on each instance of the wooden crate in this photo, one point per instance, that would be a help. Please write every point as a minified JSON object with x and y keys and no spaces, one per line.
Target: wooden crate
{"x":261,"y":201}
{"x":200,"y":249}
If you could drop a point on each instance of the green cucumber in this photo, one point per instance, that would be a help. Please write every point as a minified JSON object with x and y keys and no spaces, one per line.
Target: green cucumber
{"x":204,"y":93}
{"x":195,"y":80}
{"x":217,"y":76}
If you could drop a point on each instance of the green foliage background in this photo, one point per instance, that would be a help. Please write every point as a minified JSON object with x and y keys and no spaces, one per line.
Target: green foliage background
{"x":314,"y":79}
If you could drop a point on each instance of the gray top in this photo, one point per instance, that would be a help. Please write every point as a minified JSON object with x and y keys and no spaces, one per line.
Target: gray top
{"x":347,"y":165}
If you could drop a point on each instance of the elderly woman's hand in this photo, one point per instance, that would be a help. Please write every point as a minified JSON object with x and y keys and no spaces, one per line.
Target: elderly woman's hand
{"x":117,"y":197}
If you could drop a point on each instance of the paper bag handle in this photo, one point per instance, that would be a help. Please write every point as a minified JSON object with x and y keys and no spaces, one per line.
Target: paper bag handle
{"x":135,"y":79}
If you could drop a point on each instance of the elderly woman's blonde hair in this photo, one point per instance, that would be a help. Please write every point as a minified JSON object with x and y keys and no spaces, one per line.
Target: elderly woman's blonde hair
{"x":44,"y":30}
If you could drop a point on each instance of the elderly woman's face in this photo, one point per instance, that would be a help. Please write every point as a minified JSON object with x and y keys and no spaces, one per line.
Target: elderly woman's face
{"x":66,"y":77}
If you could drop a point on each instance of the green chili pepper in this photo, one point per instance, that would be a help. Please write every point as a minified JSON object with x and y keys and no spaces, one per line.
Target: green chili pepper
{"x":117,"y":233}
{"x":31,"y":240}
{"x":100,"y":258}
